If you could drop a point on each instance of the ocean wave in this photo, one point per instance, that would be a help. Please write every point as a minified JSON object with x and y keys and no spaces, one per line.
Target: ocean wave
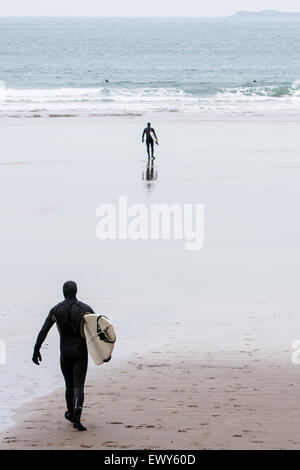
{"x":272,"y":91}
{"x":250,"y":99}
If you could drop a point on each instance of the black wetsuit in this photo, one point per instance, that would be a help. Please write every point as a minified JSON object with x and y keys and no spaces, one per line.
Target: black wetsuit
{"x":74,"y":356}
{"x":149,"y":140}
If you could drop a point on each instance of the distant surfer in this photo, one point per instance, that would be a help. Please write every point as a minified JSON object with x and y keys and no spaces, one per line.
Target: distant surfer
{"x":150,"y":134}
{"x":74,"y":355}
{"x":106,"y":81}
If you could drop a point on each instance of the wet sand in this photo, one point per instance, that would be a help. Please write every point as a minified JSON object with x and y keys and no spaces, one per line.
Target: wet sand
{"x":204,"y":338}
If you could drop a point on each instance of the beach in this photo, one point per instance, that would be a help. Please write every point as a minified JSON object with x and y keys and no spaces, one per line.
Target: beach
{"x":204,"y":338}
{"x":189,"y":403}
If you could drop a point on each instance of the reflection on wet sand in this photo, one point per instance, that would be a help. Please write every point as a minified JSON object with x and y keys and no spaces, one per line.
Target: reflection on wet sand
{"x":151,"y":173}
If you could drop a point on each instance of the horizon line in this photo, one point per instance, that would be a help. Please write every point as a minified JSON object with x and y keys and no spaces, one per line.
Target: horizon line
{"x":148,"y":16}
{"x":113,"y":16}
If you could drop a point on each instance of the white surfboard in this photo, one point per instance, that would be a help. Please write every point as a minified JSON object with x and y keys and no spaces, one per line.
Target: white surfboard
{"x":153,"y":137}
{"x":100,"y":337}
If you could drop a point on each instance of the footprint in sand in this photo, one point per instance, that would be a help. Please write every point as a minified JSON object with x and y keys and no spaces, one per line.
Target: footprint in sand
{"x":9,"y":440}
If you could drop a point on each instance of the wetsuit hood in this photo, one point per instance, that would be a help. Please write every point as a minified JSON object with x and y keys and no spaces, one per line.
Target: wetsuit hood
{"x":70,"y":289}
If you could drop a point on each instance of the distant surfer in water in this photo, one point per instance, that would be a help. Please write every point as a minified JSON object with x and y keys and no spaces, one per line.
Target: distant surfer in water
{"x":150,"y":137}
{"x":74,"y":355}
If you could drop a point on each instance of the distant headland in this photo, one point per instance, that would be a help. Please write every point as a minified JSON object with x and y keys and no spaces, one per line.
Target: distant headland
{"x":266,"y":14}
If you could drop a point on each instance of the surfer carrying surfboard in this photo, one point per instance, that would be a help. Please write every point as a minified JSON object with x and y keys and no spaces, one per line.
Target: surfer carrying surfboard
{"x":68,"y":316}
{"x":151,"y":137}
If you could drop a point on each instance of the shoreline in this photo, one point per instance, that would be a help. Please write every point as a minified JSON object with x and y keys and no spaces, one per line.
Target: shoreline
{"x":159,"y":117}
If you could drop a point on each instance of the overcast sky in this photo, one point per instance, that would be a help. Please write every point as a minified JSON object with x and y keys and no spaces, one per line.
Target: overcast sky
{"x":139,"y":7}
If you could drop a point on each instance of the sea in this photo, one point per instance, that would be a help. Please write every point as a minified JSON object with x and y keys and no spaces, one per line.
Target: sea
{"x":134,"y":66}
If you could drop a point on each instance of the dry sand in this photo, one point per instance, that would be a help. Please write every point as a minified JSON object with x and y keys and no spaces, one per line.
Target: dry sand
{"x":154,"y":403}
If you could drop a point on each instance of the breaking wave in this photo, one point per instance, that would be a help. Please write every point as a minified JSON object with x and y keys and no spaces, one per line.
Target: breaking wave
{"x":251,"y":99}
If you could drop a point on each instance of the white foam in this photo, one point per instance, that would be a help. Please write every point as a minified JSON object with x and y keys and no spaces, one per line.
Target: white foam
{"x":249,"y":100}
{"x":2,"y":91}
